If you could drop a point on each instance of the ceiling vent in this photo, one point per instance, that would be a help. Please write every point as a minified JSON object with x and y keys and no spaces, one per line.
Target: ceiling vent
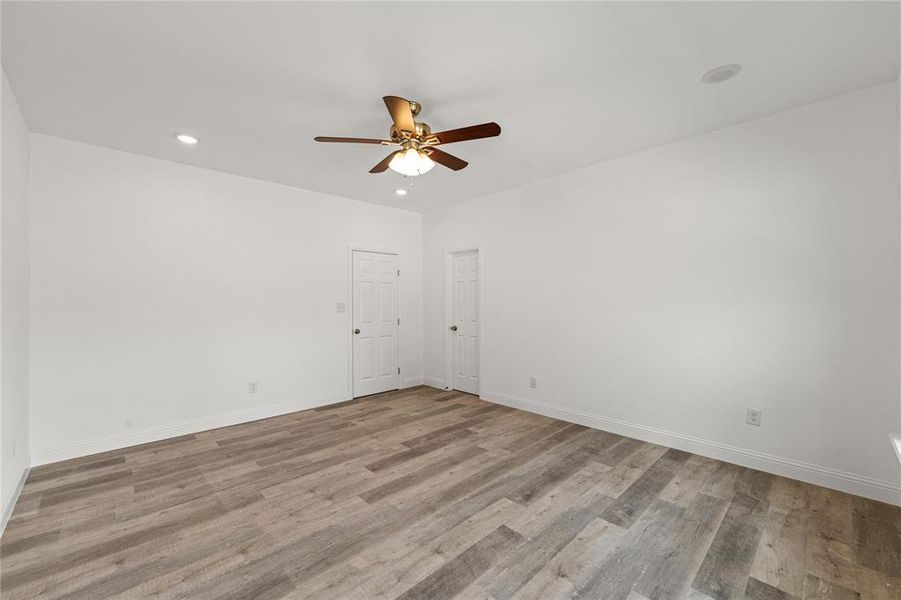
{"x":721,"y":73}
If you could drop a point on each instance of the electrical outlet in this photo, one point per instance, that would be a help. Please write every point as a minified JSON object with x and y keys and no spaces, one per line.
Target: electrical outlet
{"x":252,"y":387}
{"x":533,"y":383}
{"x":754,"y":416}
{"x":340,"y":307}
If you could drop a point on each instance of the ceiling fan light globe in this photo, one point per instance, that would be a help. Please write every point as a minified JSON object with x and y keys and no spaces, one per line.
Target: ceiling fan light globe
{"x":411,"y":162}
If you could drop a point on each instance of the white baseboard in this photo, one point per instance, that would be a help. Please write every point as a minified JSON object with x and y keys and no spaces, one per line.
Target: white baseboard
{"x":160,"y":432}
{"x":434,"y":382}
{"x":410,"y":382}
{"x":859,"y":485}
{"x":9,"y":503}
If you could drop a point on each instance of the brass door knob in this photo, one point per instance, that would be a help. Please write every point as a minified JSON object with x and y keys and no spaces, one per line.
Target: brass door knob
{"x":453,"y":328}
{"x":356,"y":332}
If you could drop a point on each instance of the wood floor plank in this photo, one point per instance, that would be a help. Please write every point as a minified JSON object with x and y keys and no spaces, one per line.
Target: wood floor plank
{"x":631,"y":503}
{"x":619,"y":451}
{"x":777,"y":560}
{"x":428,"y":471}
{"x":836,"y":562}
{"x":415,"y":441}
{"x":395,"y":566}
{"x":817,"y":589}
{"x":526,"y":560}
{"x":670,"y":575}
{"x":567,"y":465}
{"x":689,"y":480}
{"x":420,"y":450}
{"x":422,"y":493}
{"x":877,"y":531}
{"x":758,"y":590}
{"x":574,"y":565}
{"x":454,"y":576}
{"x":562,"y":497}
{"x":650,"y":539}
{"x":727,"y":565}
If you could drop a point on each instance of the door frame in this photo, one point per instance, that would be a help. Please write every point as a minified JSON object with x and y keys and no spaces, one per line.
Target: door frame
{"x":448,"y":313}
{"x":349,"y":311}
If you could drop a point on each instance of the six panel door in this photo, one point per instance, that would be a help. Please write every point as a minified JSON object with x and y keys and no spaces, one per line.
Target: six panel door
{"x":375,"y":323}
{"x":465,"y":315}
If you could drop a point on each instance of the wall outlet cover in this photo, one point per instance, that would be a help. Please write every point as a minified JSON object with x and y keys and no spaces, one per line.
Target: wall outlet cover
{"x":754,"y":416}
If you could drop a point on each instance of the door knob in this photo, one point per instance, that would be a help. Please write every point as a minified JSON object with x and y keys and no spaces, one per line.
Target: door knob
{"x":453,"y":328}
{"x":356,"y":332}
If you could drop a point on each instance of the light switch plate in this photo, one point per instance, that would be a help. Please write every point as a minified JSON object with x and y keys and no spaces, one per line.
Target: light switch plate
{"x":340,"y":307}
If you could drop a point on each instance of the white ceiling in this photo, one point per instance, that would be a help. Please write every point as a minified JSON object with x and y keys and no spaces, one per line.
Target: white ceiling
{"x":571,"y":84}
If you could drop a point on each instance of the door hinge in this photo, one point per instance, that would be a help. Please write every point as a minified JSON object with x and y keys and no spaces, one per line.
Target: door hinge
{"x":398,"y":320}
{"x":398,"y":370}
{"x":398,"y":272}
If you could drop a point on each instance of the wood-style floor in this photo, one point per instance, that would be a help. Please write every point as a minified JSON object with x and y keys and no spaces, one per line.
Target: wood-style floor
{"x":429,"y":494}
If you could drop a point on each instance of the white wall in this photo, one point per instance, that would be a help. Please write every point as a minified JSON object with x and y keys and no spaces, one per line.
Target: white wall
{"x":159,"y":291}
{"x":662,"y":293}
{"x":14,"y":452}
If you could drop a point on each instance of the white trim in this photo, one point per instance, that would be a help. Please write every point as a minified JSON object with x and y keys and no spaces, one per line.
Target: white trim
{"x":411,"y":382}
{"x":860,"y":485}
{"x":160,"y":432}
{"x":896,"y":443}
{"x":10,"y":503}
{"x":434,"y":382}
{"x":351,"y":248}
{"x":448,"y":314}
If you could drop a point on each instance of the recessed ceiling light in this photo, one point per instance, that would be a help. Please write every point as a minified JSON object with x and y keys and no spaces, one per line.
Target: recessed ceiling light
{"x":400,"y":192}
{"x":721,"y":73}
{"x":184,"y":138}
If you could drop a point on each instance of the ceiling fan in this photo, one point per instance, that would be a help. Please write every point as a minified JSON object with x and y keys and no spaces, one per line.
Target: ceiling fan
{"x":417,"y":153}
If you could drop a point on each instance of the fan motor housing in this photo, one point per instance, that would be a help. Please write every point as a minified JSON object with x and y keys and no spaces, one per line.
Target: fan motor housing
{"x":422,"y":130}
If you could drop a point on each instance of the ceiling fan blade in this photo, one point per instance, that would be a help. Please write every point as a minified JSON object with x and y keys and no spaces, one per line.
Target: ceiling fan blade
{"x":348,"y":140}
{"x":401,"y":113}
{"x":463,"y":134}
{"x":383,"y":166}
{"x":448,"y":160}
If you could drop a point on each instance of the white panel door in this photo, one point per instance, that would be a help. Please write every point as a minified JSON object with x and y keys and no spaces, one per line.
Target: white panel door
{"x":375,"y":323}
{"x":465,"y":320}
